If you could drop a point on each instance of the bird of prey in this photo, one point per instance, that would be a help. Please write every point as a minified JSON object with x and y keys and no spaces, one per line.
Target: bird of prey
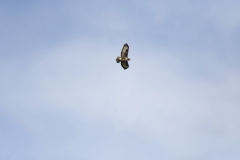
{"x":124,"y":57}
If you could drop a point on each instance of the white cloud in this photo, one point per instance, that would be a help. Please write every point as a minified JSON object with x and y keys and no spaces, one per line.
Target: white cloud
{"x":155,"y":98}
{"x":178,"y":100}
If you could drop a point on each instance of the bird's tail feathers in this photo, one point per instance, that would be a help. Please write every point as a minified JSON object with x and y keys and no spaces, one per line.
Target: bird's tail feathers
{"x":118,"y":59}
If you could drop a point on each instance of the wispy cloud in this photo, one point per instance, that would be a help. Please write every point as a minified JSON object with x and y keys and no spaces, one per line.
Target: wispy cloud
{"x":63,"y":96}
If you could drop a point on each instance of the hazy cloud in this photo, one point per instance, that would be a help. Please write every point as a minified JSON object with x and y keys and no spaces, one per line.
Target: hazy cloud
{"x":63,"y":96}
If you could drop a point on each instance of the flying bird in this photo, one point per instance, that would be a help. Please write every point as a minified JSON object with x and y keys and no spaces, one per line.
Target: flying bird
{"x":124,"y":57}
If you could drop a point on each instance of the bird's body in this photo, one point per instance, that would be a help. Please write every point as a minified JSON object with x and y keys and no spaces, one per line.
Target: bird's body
{"x":124,"y":57}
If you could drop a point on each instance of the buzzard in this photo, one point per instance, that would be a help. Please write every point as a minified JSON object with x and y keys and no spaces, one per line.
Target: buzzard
{"x":124,"y":57}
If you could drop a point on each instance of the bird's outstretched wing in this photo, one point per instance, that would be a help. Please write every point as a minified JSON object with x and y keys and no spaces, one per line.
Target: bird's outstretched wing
{"x":124,"y":64}
{"x":125,"y":50}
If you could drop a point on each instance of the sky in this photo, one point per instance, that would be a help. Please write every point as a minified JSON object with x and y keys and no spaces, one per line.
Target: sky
{"x":63,"y":96}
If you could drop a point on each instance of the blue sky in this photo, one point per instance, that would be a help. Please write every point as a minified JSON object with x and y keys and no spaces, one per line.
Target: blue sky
{"x":63,"y":96}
